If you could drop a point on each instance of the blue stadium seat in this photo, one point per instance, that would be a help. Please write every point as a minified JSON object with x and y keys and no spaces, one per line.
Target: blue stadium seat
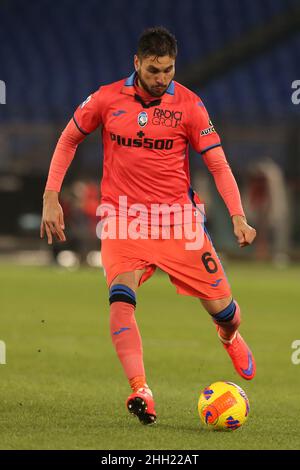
{"x":53,"y":54}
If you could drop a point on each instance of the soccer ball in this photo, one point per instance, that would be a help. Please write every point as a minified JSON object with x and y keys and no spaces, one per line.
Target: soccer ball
{"x":223,"y":406}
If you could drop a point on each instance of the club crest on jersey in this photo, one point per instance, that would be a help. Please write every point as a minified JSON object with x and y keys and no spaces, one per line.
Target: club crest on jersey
{"x":142,"y":118}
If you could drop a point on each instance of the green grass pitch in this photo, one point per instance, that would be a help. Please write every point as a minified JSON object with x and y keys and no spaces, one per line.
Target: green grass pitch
{"x":63,"y":387}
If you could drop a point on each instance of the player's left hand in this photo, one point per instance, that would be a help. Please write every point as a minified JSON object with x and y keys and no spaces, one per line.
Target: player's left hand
{"x":244,"y":233}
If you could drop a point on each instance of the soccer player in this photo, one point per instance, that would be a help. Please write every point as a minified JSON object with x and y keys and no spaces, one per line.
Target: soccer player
{"x":147,"y":122}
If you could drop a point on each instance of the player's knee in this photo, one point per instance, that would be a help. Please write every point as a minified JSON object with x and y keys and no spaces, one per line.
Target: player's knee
{"x":122,"y":293}
{"x":230,"y":314}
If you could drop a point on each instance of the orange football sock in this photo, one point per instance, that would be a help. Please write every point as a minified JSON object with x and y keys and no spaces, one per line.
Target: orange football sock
{"x":138,"y":382}
{"x":126,"y":339}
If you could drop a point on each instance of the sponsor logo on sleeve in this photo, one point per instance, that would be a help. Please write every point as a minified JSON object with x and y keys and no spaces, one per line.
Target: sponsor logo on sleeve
{"x":208,"y":130}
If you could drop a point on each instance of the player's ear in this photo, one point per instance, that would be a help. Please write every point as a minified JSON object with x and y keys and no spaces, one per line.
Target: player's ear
{"x":136,"y":62}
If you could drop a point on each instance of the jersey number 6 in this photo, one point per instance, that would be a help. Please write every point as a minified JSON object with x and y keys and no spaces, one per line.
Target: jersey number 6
{"x":209,"y":263}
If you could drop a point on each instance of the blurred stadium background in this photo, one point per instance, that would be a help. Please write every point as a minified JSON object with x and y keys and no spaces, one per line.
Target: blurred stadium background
{"x":240,"y":56}
{"x":62,"y":386}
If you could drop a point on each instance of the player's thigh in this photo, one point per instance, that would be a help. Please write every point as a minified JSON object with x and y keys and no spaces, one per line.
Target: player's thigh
{"x":216,"y":306}
{"x":123,"y":261}
{"x":197,"y":271}
{"x":129,"y":279}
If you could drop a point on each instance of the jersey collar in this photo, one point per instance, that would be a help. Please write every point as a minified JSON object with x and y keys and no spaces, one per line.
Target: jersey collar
{"x":128,"y":89}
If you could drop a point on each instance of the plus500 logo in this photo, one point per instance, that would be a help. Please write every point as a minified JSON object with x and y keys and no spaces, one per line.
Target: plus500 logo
{"x":147,"y":143}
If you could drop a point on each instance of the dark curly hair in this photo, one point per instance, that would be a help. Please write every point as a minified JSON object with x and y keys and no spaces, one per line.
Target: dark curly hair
{"x":157,"y":41}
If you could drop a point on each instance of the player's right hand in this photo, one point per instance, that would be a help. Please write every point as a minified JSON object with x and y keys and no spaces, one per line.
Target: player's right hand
{"x":244,"y":233}
{"x":53,"y":218}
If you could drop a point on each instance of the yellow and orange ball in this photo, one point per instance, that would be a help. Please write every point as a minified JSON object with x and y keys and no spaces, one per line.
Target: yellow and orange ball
{"x":223,"y":406}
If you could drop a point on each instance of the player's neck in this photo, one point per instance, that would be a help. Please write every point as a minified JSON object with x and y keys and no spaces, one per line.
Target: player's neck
{"x":142,"y":92}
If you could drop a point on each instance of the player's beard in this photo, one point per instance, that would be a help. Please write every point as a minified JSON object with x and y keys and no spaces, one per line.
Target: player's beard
{"x":152,"y":91}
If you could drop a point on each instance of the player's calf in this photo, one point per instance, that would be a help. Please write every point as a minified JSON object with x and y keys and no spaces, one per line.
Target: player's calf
{"x":124,"y":330}
{"x":228,"y":321}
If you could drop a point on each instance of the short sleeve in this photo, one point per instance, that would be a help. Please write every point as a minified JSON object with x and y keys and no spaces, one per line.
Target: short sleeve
{"x":200,"y":130}
{"x":88,"y":115}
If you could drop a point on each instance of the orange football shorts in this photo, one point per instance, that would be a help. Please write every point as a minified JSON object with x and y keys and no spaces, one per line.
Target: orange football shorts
{"x":194,"y":268}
